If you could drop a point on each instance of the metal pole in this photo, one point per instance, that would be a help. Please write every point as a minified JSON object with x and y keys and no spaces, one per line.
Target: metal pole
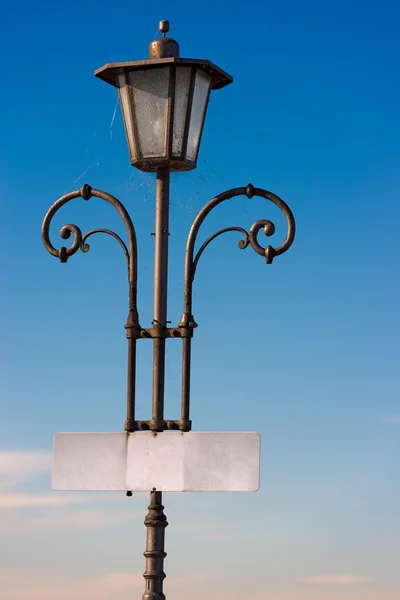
{"x":160,"y":296}
{"x":156,"y":521}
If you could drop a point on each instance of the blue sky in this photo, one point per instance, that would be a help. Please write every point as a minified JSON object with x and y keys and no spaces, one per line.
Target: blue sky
{"x":305,"y":351}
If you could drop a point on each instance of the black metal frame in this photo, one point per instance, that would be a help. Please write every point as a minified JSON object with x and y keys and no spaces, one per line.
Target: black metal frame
{"x":110,"y":71}
{"x":159,"y":332}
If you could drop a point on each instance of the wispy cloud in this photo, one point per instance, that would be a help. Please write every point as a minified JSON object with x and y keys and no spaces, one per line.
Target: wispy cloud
{"x":41,"y":501}
{"x":317,"y":593}
{"x":58,"y":521}
{"x":48,"y":513}
{"x":18,"y":467}
{"x":30,"y":587}
{"x":111,"y":585}
{"x":208,"y":530}
{"x":346,"y":579}
{"x":125,"y":585}
{"x":391,"y":419}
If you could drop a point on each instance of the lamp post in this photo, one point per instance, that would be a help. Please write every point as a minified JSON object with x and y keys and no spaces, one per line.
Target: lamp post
{"x":164,"y":102}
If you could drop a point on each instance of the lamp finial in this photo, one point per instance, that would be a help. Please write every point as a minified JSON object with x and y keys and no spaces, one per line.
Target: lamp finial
{"x":163,"y":27}
{"x":163,"y":47}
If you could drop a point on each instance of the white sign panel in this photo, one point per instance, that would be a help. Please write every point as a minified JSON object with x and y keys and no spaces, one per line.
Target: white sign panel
{"x":89,"y":461}
{"x":171,"y":461}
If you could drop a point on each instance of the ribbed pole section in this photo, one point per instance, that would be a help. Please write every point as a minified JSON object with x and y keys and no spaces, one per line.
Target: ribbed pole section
{"x":156,"y":522}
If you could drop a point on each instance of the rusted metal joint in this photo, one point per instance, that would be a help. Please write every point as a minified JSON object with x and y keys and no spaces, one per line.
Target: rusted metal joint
{"x":157,"y":331}
{"x":185,"y":425}
{"x":186,"y":326}
{"x":250,"y":190}
{"x":132,"y":326}
{"x":158,"y":425}
{"x":86,"y":191}
{"x":133,"y":332}
{"x":187,"y":321}
{"x":186,"y":332}
{"x":131,"y":425}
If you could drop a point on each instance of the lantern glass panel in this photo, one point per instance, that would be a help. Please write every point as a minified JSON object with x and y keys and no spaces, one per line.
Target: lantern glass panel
{"x":149,"y":96}
{"x":125,"y":99}
{"x":199,"y":105}
{"x":182,"y":88}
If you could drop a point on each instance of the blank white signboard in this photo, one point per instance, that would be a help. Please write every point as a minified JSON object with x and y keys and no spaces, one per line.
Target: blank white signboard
{"x":169,"y":461}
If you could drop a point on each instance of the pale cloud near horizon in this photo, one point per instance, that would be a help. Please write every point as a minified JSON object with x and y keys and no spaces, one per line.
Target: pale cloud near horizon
{"x":58,"y":513}
{"x":48,"y":513}
{"x":125,"y":585}
{"x":41,"y":501}
{"x":56,"y":521}
{"x":18,"y":467}
{"x":346,"y":579}
{"x":32,"y":587}
{"x":327,"y":593}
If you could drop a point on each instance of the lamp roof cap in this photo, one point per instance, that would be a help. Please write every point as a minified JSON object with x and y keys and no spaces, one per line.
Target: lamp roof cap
{"x":163,"y":47}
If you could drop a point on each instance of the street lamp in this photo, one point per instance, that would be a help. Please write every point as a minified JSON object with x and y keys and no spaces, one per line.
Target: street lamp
{"x":164,"y":102}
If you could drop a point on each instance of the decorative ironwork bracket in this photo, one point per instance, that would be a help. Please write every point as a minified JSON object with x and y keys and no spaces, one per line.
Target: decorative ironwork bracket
{"x":250,"y":238}
{"x":191,"y":261}
{"x":79,"y":242}
{"x":186,"y":327}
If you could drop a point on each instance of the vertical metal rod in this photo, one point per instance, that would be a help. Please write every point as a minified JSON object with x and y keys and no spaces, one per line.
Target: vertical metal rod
{"x":186,"y":354}
{"x":156,"y":522}
{"x":160,"y":295}
{"x":132,"y":326}
{"x":130,"y":408}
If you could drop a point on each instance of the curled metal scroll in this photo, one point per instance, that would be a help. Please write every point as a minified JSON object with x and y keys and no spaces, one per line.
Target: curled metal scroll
{"x":79,"y":241}
{"x":85,"y":247}
{"x":250,"y":238}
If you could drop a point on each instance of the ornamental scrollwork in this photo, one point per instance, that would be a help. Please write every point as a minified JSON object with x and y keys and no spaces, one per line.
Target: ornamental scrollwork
{"x":80,"y":241}
{"x":249,"y":238}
